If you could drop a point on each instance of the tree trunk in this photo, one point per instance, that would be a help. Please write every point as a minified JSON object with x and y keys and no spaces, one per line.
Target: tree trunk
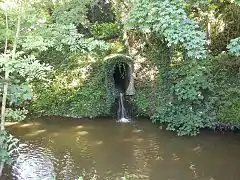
{"x":4,"y":99}
{"x":6,"y":78}
{"x":5,"y":87}
{"x":1,"y":168}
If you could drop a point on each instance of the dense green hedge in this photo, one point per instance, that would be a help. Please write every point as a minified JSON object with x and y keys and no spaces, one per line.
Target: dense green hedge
{"x":141,"y":101}
{"x":188,"y":96}
{"x":87,"y":98}
{"x":226,"y":74}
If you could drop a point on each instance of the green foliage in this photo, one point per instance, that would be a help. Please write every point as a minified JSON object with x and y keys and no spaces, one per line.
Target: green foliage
{"x":8,"y":145}
{"x":116,"y":47}
{"x":16,"y":114}
{"x":71,"y":12}
{"x":86,"y":101}
{"x":237,"y":2}
{"x":23,"y":70}
{"x":225,"y":69}
{"x":169,"y":20}
{"x":190,"y":81}
{"x":234,"y":46}
{"x":19,"y":68}
{"x":37,"y":35}
{"x":141,"y":102}
{"x":105,"y":30}
{"x":221,"y":21}
{"x":187,"y":106}
{"x":229,"y":112}
{"x":76,"y":90}
{"x":185,"y":118}
{"x":29,"y":68}
{"x":2,"y":26}
{"x":183,"y":97}
{"x":61,"y":37}
{"x":91,"y":96}
{"x":190,"y":94}
{"x":18,"y":93}
{"x":76,"y":86}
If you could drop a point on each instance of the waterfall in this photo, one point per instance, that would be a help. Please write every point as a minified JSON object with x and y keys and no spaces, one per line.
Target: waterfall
{"x":122,"y":114}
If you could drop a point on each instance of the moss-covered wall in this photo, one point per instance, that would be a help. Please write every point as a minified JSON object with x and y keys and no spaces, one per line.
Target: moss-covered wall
{"x":77,"y":92}
{"x":85,"y":87}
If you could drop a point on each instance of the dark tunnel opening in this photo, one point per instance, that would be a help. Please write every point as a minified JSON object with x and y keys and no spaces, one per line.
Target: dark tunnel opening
{"x":121,"y":76}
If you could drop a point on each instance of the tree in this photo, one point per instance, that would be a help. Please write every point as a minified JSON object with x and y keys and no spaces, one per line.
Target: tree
{"x":170,"y":21}
{"x":14,"y":63}
{"x":31,"y":28}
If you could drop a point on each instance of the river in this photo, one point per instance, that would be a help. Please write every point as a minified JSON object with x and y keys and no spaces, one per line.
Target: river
{"x":72,"y":149}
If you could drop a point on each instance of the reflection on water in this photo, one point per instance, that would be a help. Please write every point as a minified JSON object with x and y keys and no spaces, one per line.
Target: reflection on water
{"x":30,"y":162}
{"x":103,"y":149}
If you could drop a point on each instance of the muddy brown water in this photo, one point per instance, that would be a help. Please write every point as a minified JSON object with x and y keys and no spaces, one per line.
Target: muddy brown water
{"x":67,"y":149}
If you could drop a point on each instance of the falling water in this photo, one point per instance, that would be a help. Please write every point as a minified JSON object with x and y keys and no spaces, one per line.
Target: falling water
{"x":122,"y":114}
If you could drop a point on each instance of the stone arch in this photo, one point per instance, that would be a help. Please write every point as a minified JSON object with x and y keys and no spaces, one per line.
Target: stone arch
{"x":115,"y":79}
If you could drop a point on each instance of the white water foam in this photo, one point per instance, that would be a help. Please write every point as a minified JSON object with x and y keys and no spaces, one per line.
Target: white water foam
{"x":124,"y":120}
{"x":122,"y":111}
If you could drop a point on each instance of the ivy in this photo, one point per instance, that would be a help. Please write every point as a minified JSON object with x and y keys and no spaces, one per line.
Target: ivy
{"x":86,"y":97}
{"x":190,"y":81}
{"x":187,"y":105}
{"x":110,"y":64}
{"x":141,"y":101}
{"x":229,"y":112}
{"x":185,"y":118}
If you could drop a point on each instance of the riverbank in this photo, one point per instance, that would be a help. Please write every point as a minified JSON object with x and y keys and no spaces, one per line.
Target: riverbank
{"x":217,"y":126}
